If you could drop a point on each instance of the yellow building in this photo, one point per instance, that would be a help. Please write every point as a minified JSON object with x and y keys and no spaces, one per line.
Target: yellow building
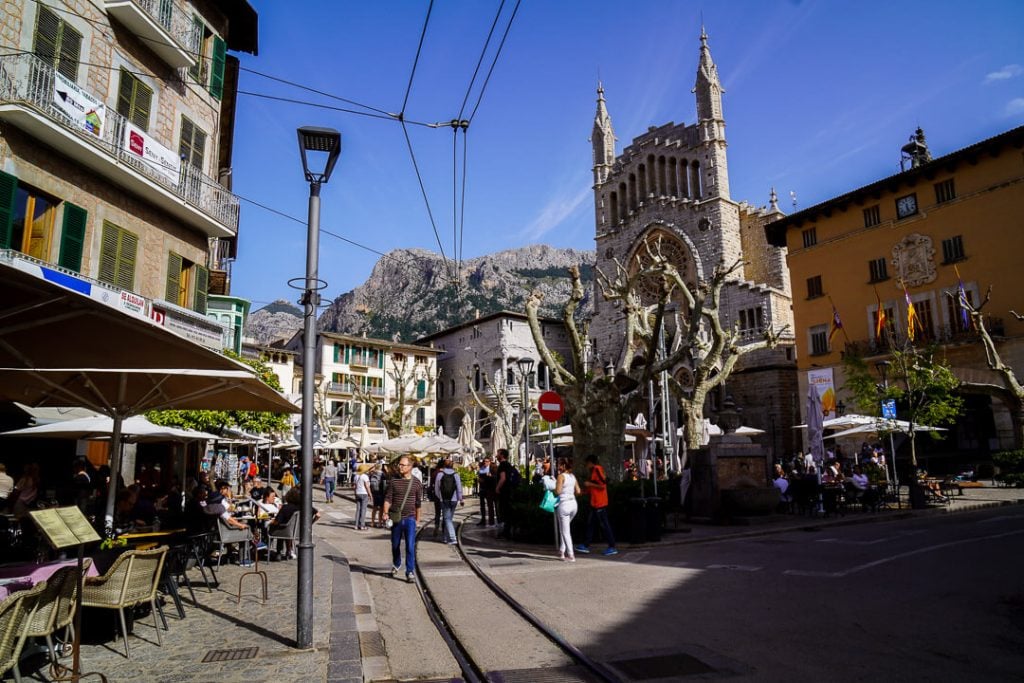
{"x":907,"y":236}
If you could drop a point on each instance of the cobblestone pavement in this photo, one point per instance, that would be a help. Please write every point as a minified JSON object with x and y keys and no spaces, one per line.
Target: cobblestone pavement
{"x":349,"y":606}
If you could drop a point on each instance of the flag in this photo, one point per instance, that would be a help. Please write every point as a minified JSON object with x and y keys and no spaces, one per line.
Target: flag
{"x":837,"y":323}
{"x":962,"y":301}
{"x":912,"y":321}
{"x":881,"y":319}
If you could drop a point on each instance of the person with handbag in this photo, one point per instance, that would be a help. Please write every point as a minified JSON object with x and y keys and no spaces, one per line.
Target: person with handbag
{"x":402,"y":503}
{"x":566,"y":488}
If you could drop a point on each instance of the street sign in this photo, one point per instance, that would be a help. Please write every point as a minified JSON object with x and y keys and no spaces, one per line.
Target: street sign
{"x":889,"y":409}
{"x":550,"y":406}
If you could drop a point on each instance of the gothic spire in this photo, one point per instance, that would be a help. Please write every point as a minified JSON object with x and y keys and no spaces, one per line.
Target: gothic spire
{"x":707,"y":88}
{"x":602,"y":138}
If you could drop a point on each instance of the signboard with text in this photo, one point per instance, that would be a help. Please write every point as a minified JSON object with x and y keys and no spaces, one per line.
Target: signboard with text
{"x":158,"y":158}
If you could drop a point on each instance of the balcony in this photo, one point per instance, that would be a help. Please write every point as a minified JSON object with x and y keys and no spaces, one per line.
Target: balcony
{"x":940,"y":334}
{"x":364,"y":360}
{"x":28,"y":101}
{"x":340,"y":387}
{"x":164,"y":28}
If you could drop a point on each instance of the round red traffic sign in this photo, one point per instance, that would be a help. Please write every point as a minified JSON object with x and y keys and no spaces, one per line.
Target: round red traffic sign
{"x":550,"y":406}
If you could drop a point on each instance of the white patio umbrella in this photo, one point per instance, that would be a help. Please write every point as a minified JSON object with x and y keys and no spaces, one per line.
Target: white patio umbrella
{"x":341,"y":443}
{"x":136,"y":428}
{"x":435,"y":443}
{"x":815,"y":418}
{"x":399,"y":444}
{"x":882,"y":425}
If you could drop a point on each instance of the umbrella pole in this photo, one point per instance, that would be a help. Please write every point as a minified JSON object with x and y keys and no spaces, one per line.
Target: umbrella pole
{"x":115,"y":473}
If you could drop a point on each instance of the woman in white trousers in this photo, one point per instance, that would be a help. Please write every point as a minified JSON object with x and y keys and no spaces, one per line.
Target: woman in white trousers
{"x":566,"y":489}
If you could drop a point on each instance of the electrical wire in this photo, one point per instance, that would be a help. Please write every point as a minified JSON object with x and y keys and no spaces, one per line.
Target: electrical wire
{"x":419,"y":49}
{"x":497,"y":54}
{"x":423,"y":191}
{"x":483,"y":53}
{"x":385,"y":117}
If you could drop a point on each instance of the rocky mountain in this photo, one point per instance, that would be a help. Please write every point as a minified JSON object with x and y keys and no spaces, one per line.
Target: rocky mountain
{"x":414,"y":292}
{"x":275,"y":321}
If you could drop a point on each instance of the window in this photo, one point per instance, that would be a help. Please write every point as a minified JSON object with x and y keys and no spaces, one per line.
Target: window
{"x":953,"y":249}
{"x":27,"y":219}
{"x":510,"y":377}
{"x":201,"y":69}
{"x":752,"y":319}
{"x":217,"y":67}
{"x":421,"y":417}
{"x":398,"y":358}
{"x":134,"y":99}
{"x":953,"y":313}
{"x":117,"y":256}
{"x":945,"y":191}
{"x":819,"y":340}
{"x":421,"y":389}
{"x":926,"y":330}
{"x":476,"y":377}
{"x":187,"y":282}
{"x":810,"y":236}
{"x":57,"y":43}
{"x":452,"y":387}
{"x":878,"y":269}
{"x":814,"y":289}
{"x":192,"y":147}
{"x":872,"y":216}
{"x":886,"y":323}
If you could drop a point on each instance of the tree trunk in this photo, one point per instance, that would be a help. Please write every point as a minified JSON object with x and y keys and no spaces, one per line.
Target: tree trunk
{"x":597,"y":421}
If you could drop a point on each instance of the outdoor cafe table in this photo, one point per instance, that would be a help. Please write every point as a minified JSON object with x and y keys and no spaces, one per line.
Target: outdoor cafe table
{"x":146,"y":540}
{"x":15,"y":577}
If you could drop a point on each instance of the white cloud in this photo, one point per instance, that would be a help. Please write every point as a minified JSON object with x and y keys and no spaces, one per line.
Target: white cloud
{"x":1014,"y":107}
{"x":556,"y":211}
{"x":1006,"y":73}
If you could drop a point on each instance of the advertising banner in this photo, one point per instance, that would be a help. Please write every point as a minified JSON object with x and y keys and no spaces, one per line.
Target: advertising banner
{"x":822,"y":379}
{"x":87,"y":112}
{"x":157,"y":157}
{"x":196,"y":328}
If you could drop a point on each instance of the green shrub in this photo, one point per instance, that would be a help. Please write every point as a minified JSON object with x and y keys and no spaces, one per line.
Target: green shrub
{"x":1011,"y":467}
{"x":468,"y":475}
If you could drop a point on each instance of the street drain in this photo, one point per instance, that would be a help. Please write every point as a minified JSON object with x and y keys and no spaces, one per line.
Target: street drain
{"x":662,"y":666}
{"x":371,"y":644}
{"x":230,"y":655}
{"x":360,"y":609}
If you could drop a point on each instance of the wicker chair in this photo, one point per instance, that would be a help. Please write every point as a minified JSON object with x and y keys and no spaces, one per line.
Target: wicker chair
{"x":131,"y":580}
{"x":55,"y":608}
{"x":15,"y":612}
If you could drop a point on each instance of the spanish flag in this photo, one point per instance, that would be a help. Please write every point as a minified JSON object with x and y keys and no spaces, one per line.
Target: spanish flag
{"x":837,"y":323}
{"x":880,"y":318}
{"x":912,"y":321}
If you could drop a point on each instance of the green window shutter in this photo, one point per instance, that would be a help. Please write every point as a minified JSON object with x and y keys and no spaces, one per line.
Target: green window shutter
{"x":380,"y":359}
{"x":421,"y":389}
{"x":69,"y":52}
{"x":202,"y":287}
{"x":348,"y":353}
{"x":127,"y":249}
{"x":337,"y":353}
{"x":108,"y":253}
{"x":173,"y":277}
{"x":134,"y":99}
{"x":8,"y":191}
{"x":217,"y":67}
{"x":72,"y":238}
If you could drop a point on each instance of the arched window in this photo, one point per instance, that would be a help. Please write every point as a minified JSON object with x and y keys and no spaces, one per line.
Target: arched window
{"x":642,"y":172}
{"x":542,"y":375}
{"x":614,"y":208}
{"x":476,"y":377}
{"x":673,"y":178}
{"x":510,"y":377}
{"x":696,"y":188}
{"x":662,"y":181}
{"x":624,"y":204}
{"x":632,"y":192}
{"x":453,"y":387}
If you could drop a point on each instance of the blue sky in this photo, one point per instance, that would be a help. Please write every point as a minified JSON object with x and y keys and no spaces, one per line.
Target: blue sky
{"x":820,"y":96}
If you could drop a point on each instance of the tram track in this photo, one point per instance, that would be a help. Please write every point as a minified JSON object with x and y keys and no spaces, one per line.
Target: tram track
{"x":455,"y":606}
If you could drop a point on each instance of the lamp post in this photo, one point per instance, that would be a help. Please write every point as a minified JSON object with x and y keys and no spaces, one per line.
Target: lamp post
{"x":326,"y":144}
{"x":883,"y":371}
{"x":525,"y":368}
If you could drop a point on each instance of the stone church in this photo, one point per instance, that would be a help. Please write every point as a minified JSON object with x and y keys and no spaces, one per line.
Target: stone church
{"x":672,"y":184}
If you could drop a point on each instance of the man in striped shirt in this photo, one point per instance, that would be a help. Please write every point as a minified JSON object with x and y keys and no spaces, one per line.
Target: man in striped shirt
{"x":405,"y":492}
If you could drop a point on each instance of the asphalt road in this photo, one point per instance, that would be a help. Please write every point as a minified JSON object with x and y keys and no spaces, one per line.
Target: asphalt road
{"x":926,"y":599}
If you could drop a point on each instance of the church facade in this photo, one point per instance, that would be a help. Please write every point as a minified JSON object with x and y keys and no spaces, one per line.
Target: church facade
{"x":671,"y":185}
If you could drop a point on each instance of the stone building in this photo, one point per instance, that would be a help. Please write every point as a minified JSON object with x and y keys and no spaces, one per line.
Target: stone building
{"x":919,"y":236}
{"x":116,"y":135}
{"x":671,"y":185}
{"x":488,"y":347}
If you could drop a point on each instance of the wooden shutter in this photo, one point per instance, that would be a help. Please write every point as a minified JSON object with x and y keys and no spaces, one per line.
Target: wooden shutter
{"x":198,"y":72}
{"x":173,"y":277}
{"x":108,"y":253}
{"x":69,"y":51}
{"x":202,"y":285}
{"x":72,"y":238}
{"x":134,"y":100}
{"x":8,"y":192}
{"x":47,"y":35}
{"x":217,"y":67}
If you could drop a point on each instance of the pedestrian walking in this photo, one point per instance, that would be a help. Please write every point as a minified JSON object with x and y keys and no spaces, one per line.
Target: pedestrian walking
{"x":508,"y":478}
{"x":485,"y":480}
{"x":363,"y":492}
{"x":448,"y":490}
{"x":597,"y":488}
{"x":330,"y":480}
{"x":566,"y":488}
{"x":378,"y":485}
{"x":405,"y":495}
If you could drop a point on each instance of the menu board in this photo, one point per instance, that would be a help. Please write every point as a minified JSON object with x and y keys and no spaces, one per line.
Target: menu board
{"x":64,"y":527}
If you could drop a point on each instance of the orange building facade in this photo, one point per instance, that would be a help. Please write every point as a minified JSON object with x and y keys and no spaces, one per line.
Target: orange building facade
{"x":910,"y":235}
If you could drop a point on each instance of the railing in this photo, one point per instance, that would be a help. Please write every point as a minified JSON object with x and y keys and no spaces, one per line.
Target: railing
{"x":26,"y":79}
{"x":364,"y":359}
{"x":174,"y":20}
{"x":939,"y":334}
{"x":340,"y":387}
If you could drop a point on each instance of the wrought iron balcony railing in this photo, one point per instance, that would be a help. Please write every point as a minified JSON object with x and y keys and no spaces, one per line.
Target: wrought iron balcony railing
{"x":27,"y":81}
{"x":938,"y":334}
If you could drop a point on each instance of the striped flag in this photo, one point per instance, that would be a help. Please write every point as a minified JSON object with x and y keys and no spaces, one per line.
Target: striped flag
{"x":837,"y":323}
{"x":881,"y":318}
{"x":912,"y":321}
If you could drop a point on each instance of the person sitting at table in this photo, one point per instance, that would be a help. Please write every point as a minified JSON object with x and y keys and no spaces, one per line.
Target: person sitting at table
{"x":26,"y":491}
{"x":257,"y":490}
{"x":269,"y":505}
{"x":6,"y":486}
{"x":195,"y":517}
{"x":782,"y":484}
{"x":292,"y":505}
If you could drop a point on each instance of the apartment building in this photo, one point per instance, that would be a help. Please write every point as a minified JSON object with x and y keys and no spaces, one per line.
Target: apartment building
{"x":116,"y":134}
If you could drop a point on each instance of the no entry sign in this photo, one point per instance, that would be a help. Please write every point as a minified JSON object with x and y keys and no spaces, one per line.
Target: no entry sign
{"x":550,"y":406}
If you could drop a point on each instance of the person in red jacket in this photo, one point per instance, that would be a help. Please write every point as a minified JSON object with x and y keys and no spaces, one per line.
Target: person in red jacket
{"x":596,"y":487}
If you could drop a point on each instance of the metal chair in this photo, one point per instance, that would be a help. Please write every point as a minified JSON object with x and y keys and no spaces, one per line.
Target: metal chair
{"x":199,"y":550}
{"x":227,"y":535}
{"x":15,"y":613}
{"x":131,"y":580}
{"x":287,"y":532}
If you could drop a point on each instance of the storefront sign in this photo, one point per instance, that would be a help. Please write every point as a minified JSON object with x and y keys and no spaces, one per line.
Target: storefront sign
{"x":133,"y":303}
{"x":822,"y":379}
{"x":194,"y":327}
{"x":157,"y":157}
{"x":86,"y":112}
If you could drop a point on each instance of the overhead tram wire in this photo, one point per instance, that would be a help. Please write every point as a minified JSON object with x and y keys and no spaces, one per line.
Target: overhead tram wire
{"x":386,"y":117}
{"x":494,"y":62}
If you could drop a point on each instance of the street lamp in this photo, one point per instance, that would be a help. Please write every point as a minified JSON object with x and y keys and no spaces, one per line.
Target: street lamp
{"x":324,"y":144}
{"x":525,"y":368}
{"x":883,"y":371}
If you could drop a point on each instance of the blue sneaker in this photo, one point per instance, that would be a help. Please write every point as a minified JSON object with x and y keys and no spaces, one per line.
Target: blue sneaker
{"x":583,"y":549}
{"x":610,"y":551}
